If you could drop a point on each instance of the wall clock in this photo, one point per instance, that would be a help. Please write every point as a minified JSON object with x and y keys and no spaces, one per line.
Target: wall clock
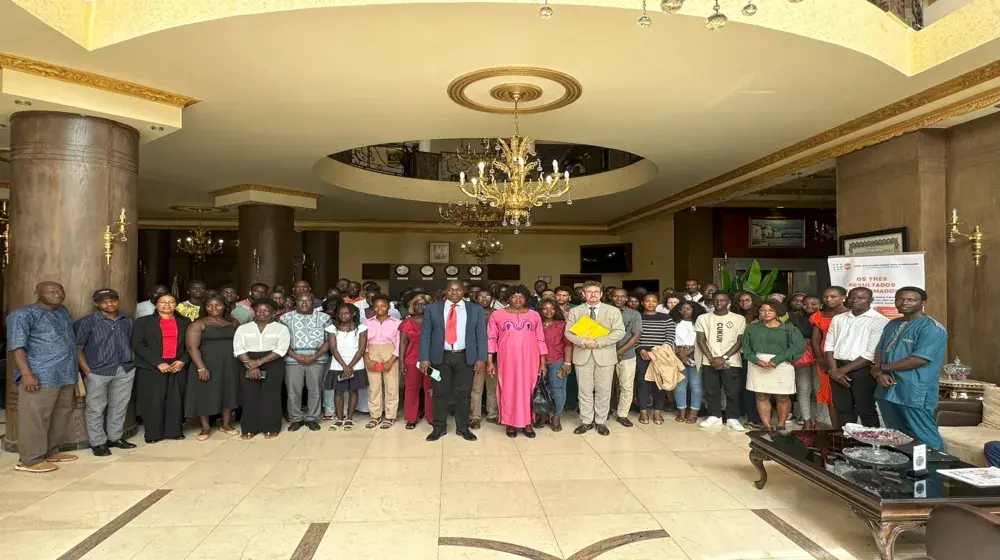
{"x":475,"y":270}
{"x":402,"y":270}
{"x":427,"y":270}
{"x":451,"y":270}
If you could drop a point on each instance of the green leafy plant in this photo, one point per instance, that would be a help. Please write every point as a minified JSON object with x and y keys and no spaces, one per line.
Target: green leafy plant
{"x":751,"y":281}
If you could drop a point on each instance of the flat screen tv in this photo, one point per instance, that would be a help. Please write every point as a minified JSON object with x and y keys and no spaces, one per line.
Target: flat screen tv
{"x":606,"y":259}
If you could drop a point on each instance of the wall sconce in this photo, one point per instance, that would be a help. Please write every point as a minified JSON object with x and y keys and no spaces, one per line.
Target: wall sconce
{"x":976,"y":237}
{"x":114,"y":232}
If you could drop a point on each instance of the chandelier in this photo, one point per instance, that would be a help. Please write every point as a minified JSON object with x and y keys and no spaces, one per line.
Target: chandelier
{"x":199,"y":244}
{"x":482,"y":247}
{"x":824,"y":232}
{"x":472,"y":215}
{"x":713,"y":22}
{"x":504,"y":182}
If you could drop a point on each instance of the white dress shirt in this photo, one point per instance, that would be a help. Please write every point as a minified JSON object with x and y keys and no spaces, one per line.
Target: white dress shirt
{"x":855,"y":336}
{"x":274,"y":338}
{"x":144,"y":308}
{"x":696,"y":298}
{"x":684,"y":334}
{"x":460,"y":317}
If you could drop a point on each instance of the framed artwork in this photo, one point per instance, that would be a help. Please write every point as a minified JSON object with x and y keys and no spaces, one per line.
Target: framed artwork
{"x":777,"y":233}
{"x":882,"y":242}
{"x":440,"y":252}
{"x":546,"y":279}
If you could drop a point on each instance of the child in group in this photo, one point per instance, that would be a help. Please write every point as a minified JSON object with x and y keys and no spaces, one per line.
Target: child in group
{"x":348,"y":342}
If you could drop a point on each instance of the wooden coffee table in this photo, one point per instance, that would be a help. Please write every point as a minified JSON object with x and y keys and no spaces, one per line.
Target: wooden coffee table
{"x":889,"y":501}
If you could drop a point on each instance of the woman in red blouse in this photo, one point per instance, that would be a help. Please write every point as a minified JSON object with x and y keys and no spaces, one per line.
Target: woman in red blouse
{"x":559,"y":360}
{"x":414,"y":379}
{"x":160,"y":358}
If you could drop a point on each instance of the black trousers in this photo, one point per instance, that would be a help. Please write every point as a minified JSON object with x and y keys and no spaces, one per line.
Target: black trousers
{"x":261,"y":398}
{"x":855,"y":401}
{"x":160,"y":402}
{"x":643,"y":387}
{"x":455,"y":388}
{"x":715,"y":381}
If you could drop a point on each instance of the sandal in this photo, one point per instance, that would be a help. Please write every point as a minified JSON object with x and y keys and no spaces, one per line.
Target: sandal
{"x":230,"y":431}
{"x":327,"y":416}
{"x":680,"y":416}
{"x":556,"y":424}
{"x":348,"y":425}
{"x":411,"y":425}
{"x":643,"y":418}
{"x":657,"y":421}
{"x":204,"y":436}
{"x":692,"y":417}
{"x":387,"y":423}
{"x":337,"y":424}
{"x":372,"y":423}
{"x":247,"y":436}
{"x":270,"y":435}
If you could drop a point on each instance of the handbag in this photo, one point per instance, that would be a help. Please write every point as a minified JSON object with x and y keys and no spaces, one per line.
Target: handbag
{"x":541,"y":397}
{"x":806,"y":359}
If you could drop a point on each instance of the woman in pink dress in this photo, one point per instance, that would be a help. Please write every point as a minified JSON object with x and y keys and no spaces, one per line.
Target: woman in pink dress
{"x":517,"y":349}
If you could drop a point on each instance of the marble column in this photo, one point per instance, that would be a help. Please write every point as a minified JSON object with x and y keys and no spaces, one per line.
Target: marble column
{"x":322,"y":264}
{"x":70,"y":177}
{"x":266,"y":246}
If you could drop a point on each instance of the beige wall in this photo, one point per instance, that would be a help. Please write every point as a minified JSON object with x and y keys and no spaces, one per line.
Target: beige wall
{"x":538,"y":254}
{"x":914,"y":181}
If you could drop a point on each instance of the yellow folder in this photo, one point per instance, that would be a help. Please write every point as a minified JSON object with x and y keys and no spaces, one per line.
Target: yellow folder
{"x":589,"y":328}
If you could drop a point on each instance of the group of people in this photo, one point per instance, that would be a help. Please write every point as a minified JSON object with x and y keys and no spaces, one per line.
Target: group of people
{"x":275,"y":357}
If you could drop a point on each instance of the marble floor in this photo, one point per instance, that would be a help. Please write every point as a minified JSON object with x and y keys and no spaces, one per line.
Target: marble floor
{"x":659,"y":492}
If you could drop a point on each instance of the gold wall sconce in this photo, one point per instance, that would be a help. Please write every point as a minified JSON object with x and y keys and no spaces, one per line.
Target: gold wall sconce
{"x":114,"y":232}
{"x":976,"y":237}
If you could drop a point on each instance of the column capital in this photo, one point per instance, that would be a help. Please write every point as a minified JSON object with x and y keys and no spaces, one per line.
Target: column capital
{"x":237,"y":195}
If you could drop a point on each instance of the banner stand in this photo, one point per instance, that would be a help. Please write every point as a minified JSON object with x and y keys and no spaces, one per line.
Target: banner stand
{"x":882,"y":274}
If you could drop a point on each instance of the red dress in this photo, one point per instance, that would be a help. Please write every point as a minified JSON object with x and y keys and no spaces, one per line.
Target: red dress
{"x":823,"y":394}
{"x":414,"y":379}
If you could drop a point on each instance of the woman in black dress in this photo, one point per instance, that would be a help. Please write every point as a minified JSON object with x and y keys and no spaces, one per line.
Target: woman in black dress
{"x":160,"y":357}
{"x":213,"y":385}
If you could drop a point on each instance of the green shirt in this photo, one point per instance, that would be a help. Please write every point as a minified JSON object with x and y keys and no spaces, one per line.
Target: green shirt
{"x":784,"y":341}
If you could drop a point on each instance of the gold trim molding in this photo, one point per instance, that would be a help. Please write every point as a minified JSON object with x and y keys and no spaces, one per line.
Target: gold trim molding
{"x":935,"y":93}
{"x":458,"y":86}
{"x":263,"y":188}
{"x":96,"y":81}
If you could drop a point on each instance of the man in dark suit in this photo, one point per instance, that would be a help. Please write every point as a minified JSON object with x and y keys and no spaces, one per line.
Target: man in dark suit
{"x":453,"y":341}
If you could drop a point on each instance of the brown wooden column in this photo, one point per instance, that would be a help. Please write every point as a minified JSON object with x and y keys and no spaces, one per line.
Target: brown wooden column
{"x":70,"y":177}
{"x":268,"y":230}
{"x":322,"y":265}
{"x":154,"y":260}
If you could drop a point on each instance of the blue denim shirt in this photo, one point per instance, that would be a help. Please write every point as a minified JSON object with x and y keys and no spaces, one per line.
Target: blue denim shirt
{"x":47,"y":339}
{"x":106,"y":342}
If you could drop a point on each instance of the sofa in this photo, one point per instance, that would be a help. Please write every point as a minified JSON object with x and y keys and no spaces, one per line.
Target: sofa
{"x":966,"y":425}
{"x":962,"y":532}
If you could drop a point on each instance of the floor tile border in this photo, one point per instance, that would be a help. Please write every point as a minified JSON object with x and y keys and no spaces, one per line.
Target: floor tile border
{"x":587,"y":553}
{"x":310,"y":541}
{"x":794,"y":535}
{"x":112,"y":527}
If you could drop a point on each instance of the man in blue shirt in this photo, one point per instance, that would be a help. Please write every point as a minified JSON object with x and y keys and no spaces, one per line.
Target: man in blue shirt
{"x":103,"y":347}
{"x":41,"y":343}
{"x":907,"y":364}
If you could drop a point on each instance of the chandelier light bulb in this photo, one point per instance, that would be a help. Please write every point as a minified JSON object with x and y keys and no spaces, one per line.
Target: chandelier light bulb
{"x":671,"y":6}
{"x":482,"y":166}
{"x":555,"y":165}
{"x":750,"y":9}
{"x":461,"y":177}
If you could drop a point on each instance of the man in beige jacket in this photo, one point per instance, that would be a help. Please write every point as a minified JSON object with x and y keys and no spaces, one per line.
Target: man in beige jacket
{"x":595,"y":358}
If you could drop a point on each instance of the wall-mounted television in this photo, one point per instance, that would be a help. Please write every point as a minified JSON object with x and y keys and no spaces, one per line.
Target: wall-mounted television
{"x":606,"y":259}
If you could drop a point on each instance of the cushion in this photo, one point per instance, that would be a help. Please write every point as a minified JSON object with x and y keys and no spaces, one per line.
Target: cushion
{"x":966,"y":442}
{"x":991,"y":408}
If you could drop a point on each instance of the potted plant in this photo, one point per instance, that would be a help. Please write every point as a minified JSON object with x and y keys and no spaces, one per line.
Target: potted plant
{"x":751,"y":281}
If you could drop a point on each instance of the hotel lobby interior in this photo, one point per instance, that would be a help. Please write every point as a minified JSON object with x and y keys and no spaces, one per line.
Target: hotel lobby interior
{"x":147,"y":142}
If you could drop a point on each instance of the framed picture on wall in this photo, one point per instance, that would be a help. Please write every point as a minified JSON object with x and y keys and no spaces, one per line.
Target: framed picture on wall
{"x":440,"y":252}
{"x":777,"y":233}
{"x":882,"y":242}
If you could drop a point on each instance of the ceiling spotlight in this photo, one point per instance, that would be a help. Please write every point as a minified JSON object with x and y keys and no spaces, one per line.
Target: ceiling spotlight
{"x":545,"y":12}
{"x":718,"y":20}
{"x":644,"y":20}
{"x":750,"y":9}
{"x":671,"y":6}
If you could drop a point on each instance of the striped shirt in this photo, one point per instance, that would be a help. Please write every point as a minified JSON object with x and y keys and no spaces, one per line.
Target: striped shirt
{"x":657,"y":329}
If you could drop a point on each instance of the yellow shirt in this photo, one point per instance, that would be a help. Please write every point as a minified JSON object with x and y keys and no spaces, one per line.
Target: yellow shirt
{"x":188,"y":309}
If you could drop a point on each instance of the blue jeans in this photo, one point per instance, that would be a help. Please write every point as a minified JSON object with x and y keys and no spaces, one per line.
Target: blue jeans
{"x":556,"y":386}
{"x":693,"y":377}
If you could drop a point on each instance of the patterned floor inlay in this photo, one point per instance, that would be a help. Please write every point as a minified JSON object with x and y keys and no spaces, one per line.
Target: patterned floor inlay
{"x":102,"y":534}
{"x":588,"y":553}
{"x":310,"y":541}
{"x":794,"y":535}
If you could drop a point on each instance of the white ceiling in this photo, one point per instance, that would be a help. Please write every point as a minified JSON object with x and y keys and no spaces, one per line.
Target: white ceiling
{"x":279,"y":91}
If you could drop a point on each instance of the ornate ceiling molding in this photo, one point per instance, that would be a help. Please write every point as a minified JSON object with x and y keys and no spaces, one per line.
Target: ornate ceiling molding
{"x":96,"y":81}
{"x":930,"y":95}
{"x":504,"y":92}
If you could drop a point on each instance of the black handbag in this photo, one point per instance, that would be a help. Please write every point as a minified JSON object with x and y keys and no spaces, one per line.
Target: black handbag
{"x":541,"y":398}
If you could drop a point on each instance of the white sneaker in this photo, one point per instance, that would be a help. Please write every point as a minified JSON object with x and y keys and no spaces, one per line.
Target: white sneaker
{"x":711,"y":422}
{"x":734,"y":425}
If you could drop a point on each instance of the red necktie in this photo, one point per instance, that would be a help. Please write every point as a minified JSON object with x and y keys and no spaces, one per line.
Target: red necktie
{"x":451,"y":327}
